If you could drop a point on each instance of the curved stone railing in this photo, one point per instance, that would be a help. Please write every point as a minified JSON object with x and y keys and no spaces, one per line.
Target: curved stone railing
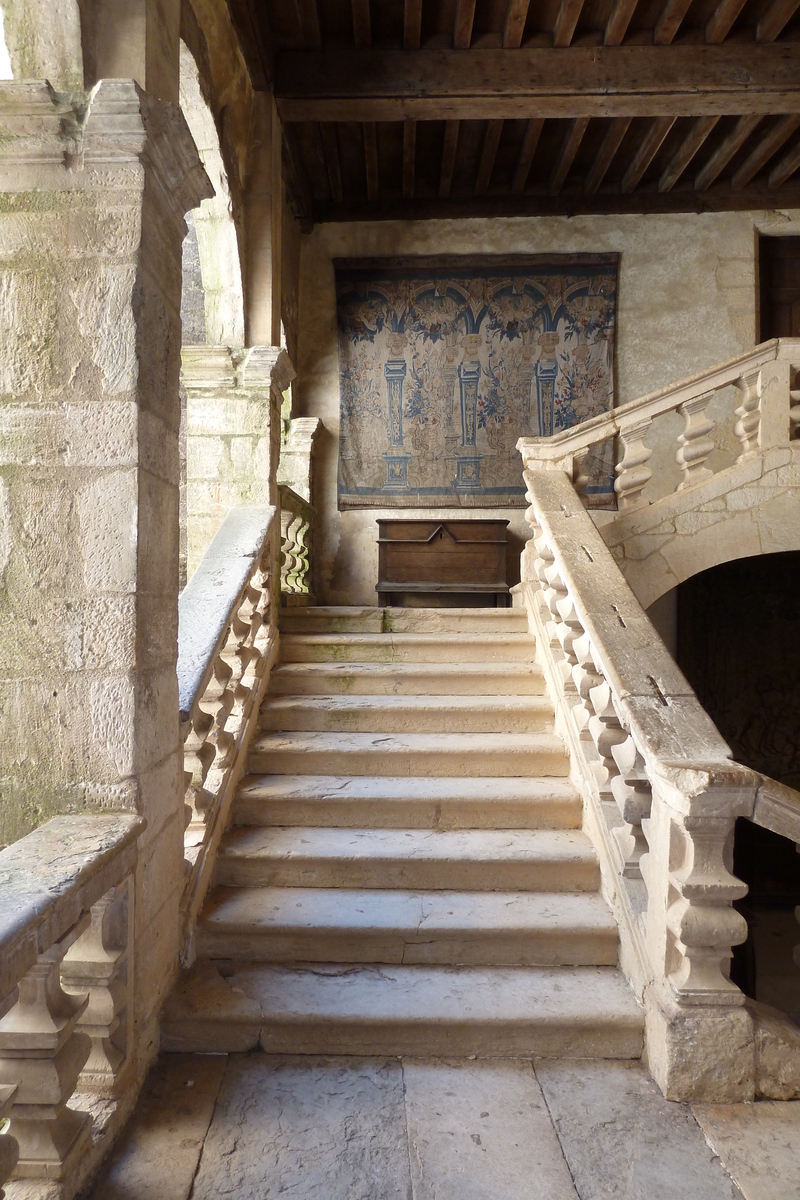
{"x":227,"y":643}
{"x":764,"y":412}
{"x":661,"y":796}
{"x":297,"y":517}
{"x":66,"y":995}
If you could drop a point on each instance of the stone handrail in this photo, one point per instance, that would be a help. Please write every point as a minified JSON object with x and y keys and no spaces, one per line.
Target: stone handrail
{"x":768,"y":414}
{"x":297,"y":517}
{"x":66,"y":992}
{"x":661,"y":793}
{"x":227,"y":643}
{"x":777,"y":807}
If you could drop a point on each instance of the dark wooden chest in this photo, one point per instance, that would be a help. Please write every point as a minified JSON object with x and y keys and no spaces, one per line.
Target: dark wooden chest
{"x":441,"y":556}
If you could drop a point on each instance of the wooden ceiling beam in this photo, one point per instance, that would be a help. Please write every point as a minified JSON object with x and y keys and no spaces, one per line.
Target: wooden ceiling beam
{"x":330,"y":148}
{"x":449,"y":151}
{"x":462,"y":30}
{"x":298,"y":188}
{"x":412,"y":24}
{"x":763,"y":152}
{"x":605,"y":155}
{"x":514,"y":27}
{"x":409,"y":157}
{"x":618,"y":22}
{"x":649,"y":147}
{"x":579,"y":81}
{"x":690,"y":145}
{"x":669,"y":22}
{"x":371,"y":159}
{"x":779,"y":13}
{"x":786,"y":167}
{"x":309,"y":23}
{"x":566,"y":158}
{"x":490,"y":143}
{"x":255,"y":43}
{"x":719,"y":160}
{"x":566,"y":20}
{"x":362,"y":25}
{"x":529,"y":143}
{"x":721,"y":20}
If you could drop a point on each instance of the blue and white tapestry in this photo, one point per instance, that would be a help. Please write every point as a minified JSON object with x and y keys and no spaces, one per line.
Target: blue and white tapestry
{"x":445,"y":363}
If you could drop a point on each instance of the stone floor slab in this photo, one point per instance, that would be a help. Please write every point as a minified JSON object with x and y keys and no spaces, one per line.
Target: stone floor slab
{"x":759,"y":1144}
{"x":157,"y":1155}
{"x":312,"y":1128}
{"x":481,"y":1131}
{"x":623,"y":1141}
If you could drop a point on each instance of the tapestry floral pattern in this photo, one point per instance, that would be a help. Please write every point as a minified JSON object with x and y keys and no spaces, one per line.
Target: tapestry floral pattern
{"x":445,"y":363}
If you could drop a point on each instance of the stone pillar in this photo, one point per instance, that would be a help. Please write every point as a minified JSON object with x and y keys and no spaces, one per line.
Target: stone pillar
{"x":132,"y":39}
{"x":263,"y":210}
{"x":232,"y":434}
{"x":91,"y":224}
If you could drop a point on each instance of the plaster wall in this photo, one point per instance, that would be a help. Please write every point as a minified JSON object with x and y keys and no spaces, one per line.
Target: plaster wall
{"x":687,"y":299}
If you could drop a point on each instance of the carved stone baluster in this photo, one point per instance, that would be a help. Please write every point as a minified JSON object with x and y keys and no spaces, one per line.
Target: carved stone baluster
{"x":198,"y":755}
{"x":606,"y":732}
{"x":794,"y":415}
{"x":217,"y":702}
{"x":632,"y":472}
{"x":701,"y":920}
{"x":632,"y":792}
{"x":585,"y":677}
{"x":695,"y":444}
{"x":568,"y":632}
{"x":98,"y":963}
{"x":581,"y":473}
{"x":748,"y":415}
{"x":42,"y":1053}
{"x":9,"y":1150}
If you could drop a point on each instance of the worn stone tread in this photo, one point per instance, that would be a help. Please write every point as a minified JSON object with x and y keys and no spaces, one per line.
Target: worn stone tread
{"x":411,"y":714}
{"x":411,"y":678}
{"x":487,"y":928}
{"x":370,"y":801}
{"x":480,"y":860}
{"x":341,"y":619}
{"x":406,"y":647}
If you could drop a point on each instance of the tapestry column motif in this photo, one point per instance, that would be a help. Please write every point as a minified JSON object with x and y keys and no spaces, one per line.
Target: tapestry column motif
{"x":395,"y":373}
{"x":546,"y":375}
{"x":468,"y":466}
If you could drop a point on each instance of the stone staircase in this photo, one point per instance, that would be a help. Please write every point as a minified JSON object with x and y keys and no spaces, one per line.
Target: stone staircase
{"x":405,"y":872}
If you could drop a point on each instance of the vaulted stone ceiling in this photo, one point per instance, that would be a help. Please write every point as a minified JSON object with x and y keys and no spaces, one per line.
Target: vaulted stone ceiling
{"x":421,"y":108}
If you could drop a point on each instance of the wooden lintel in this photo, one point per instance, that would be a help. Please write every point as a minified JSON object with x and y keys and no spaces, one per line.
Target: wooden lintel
{"x":448,"y":158}
{"x":514,"y":27}
{"x":409,"y":157}
{"x":605,"y":155}
{"x":462,"y":29}
{"x":298,"y":188}
{"x":412,"y":24}
{"x":371,"y":159}
{"x":725,"y":152}
{"x":697,"y":135}
{"x":258,"y":49}
{"x":721,"y":20}
{"x":670,"y":20}
{"x":566,"y":157}
{"x":779,"y":13}
{"x":618,"y":22}
{"x":770,"y":144}
{"x":579,"y":81}
{"x":488,"y":155}
{"x":529,"y":143}
{"x":566,"y":20}
{"x":330,"y":147}
{"x":309,"y":17}
{"x":649,"y":147}
{"x":362,"y":26}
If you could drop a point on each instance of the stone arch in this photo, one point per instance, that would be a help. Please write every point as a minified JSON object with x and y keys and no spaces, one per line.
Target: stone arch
{"x":752,"y":508}
{"x":213,"y":300}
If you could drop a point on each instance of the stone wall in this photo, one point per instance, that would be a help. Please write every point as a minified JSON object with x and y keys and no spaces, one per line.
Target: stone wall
{"x":687,"y":299}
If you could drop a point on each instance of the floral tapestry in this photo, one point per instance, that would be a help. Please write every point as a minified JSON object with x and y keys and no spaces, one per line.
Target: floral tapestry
{"x":445,"y":363}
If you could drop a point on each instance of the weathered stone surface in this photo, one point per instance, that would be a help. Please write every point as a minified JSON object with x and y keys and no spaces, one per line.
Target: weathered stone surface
{"x":157,"y":1156}
{"x":622,"y":1138}
{"x":481,"y":1131}
{"x":777,"y":1053}
{"x":323,"y":1129}
{"x":759,"y":1145}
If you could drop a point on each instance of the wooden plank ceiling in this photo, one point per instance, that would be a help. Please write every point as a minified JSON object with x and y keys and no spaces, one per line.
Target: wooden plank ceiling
{"x":422,"y":108}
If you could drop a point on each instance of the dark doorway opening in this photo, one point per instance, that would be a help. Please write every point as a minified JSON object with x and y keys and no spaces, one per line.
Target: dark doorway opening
{"x":779,"y":287}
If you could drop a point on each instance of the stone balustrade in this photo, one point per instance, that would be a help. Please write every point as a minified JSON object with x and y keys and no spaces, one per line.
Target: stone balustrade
{"x":297,"y":517}
{"x":661,"y":796}
{"x":67,"y":1028}
{"x":764,"y":412}
{"x":227,"y":643}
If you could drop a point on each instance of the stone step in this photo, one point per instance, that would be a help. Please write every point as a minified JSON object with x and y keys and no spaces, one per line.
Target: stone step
{"x":402,"y":620}
{"x":408,"y":679}
{"x":369,"y":801}
{"x":406,"y":647}
{"x":457,"y":928}
{"x":408,"y":714}
{"x":510,"y":754}
{"x":428,"y":1011}
{"x":520,"y":860}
